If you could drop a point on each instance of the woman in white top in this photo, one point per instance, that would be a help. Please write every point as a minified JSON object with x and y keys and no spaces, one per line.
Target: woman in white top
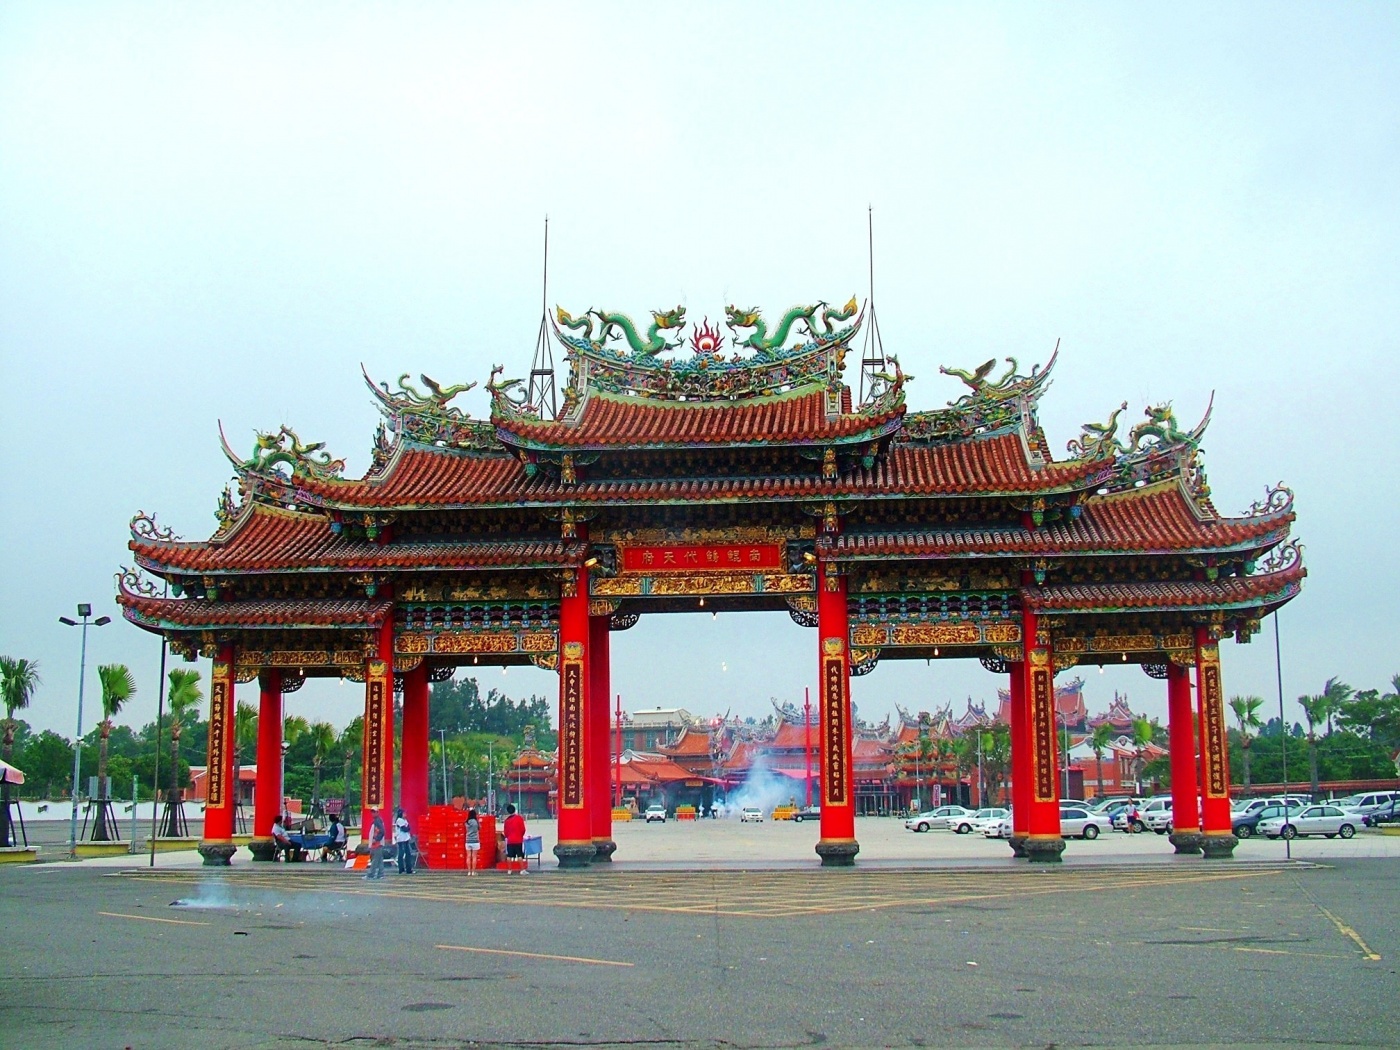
{"x":473,"y":840}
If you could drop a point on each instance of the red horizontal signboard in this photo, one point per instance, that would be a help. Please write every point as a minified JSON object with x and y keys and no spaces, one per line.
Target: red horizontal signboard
{"x":725,"y":557}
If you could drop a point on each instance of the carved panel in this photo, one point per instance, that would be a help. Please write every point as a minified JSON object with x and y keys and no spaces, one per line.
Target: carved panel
{"x":935,"y":634}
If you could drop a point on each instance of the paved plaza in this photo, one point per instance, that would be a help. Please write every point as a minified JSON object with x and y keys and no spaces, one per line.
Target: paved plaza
{"x":717,"y":934}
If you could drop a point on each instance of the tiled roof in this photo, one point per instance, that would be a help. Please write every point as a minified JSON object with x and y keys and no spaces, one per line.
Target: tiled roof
{"x":200,"y":614}
{"x":1155,"y":519}
{"x":429,"y":477}
{"x":692,"y":741}
{"x":616,"y":420}
{"x":1233,"y":591}
{"x":268,"y":538}
{"x":790,"y":735}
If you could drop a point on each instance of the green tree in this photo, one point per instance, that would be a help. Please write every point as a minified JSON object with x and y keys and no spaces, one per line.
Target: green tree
{"x":18,"y":680}
{"x":1142,"y":734}
{"x":1099,"y":740}
{"x":1334,"y":694}
{"x":245,"y":735}
{"x":1315,"y":711}
{"x":48,"y":763}
{"x":1246,"y":709}
{"x":183,"y":698}
{"x":118,"y":686}
{"x":323,"y":740}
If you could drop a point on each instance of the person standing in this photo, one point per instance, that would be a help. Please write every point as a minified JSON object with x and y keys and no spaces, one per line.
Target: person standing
{"x":473,"y":841}
{"x":403,"y":842}
{"x":376,"y":848}
{"x":515,"y":837}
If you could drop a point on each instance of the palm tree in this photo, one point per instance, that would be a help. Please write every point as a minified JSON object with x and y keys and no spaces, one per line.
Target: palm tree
{"x":1142,"y":736}
{"x":245,"y":734}
{"x":1246,"y":710}
{"x":1315,"y":711}
{"x":323,"y":740}
{"x":351,"y":741}
{"x":118,"y":686}
{"x":1099,"y":740}
{"x":943,"y":754}
{"x":18,"y":679}
{"x":1334,"y":694}
{"x":184,"y":698}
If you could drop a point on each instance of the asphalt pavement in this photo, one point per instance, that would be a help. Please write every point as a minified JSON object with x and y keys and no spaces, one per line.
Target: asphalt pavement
{"x":747,"y":952}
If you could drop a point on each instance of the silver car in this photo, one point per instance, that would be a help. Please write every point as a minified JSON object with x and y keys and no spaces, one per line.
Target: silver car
{"x":941,"y":817}
{"x":1080,"y":823}
{"x":977,"y":821}
{"x":1314,"y":820}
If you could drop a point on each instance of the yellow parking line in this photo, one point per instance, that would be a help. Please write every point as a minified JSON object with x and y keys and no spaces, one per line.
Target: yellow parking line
{"x":1347,"y":931}
{"x":532,"y":955}
{"x":151,"y":918}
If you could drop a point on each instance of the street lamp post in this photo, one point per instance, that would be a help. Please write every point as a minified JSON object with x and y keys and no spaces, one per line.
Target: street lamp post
{"x":1064,"y":723}
{"x":84,"y":611}
{"x":443,"y":734}
{"x":282,"y":781}
{"x":491,"y":776}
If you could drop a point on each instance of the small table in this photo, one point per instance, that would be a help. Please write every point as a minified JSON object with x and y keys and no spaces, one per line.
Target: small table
{"x":304,"y":844}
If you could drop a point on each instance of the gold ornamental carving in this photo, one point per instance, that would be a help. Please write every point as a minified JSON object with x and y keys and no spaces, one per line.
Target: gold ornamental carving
{"x":602,"y":607}
{"x":404,"y":664}
{"x":1065,"y":644}
{"x":1064,"y":661}
{"x":868,"y":635}
{"x":783,"y":583}
{"x":242,"y":675}
{"x":702,"y":536}
{"x":1124,"y":643}
{"x":1001,"y":632}
{"x":1039,"y":658}
{"x":481,"y":642}
{"x":1010,"y":653}
{"x":411,"y":642}
{"x":935,"y":634}
{"x":539,"y":642}
{"x":545,"y":661}
{"x":622,"y":586}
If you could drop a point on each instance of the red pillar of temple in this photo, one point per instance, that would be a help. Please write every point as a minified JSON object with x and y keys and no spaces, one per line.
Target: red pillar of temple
{"x":575,"y":847}
{"x":838,"y":844}
{"x":413,"y":773}
{"x":1186,"y":818}
{"x":267,"y":791}
{"x":216,"y":846}
{"x":377,"y":776}
{"x":1020,"y":762}
{"x":599,"y":784}
{"x":1043,"y":839}
{"x":1218,"y":838}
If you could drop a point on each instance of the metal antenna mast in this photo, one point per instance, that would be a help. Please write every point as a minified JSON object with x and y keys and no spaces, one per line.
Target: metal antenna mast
{"x":542,"y":392}
{"x":872,"y":358}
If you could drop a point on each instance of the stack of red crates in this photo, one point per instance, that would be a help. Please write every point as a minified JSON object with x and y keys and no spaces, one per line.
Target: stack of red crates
{"x":444,"y":838}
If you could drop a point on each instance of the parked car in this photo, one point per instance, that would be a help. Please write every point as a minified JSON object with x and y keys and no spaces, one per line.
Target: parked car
{"x":656,"y":811}
{"x":750,"y":814}
{"x":997,"y":827}
{"x":942,"y":817}
{"x":807,"y":813}
{"x":1314,"y":820}
{"x":1387,"y":814}
{"x":1157,"y":815}
{"x":975,"y":822}
{"x":1244,"y":825}
{"x":1080,"y":822}
{"x":1251,"y":806}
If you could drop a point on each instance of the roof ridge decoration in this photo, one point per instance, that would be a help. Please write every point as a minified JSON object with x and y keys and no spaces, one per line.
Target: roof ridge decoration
{"x":1278,"y":499}
{"x":608,"y":355}
{"x":143,"y":527}
{"x":987,"y":408}
{"x":1156,"y":449}
{"x":428,"y":418}
{"x":283,"y":447}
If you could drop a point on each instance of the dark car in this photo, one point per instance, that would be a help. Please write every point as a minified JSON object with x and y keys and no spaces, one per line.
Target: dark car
{"x":1245,"y":826}
{"x":808,"y":813}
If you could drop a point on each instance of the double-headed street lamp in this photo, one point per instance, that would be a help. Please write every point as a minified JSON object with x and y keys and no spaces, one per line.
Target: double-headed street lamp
{"x":84,"y":611}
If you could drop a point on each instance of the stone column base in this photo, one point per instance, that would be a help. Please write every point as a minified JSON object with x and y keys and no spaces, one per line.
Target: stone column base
{"x":1187,"y":842}
{"x":1218,"y":846}
{"x":603,"y":849}
{"x":1018,"y":845}
{"x":263,"y":849}
{"x":839,"y":853}
{"x":1044,"y":850}
{"x":216,"y":854}
{"x":574,"y":854}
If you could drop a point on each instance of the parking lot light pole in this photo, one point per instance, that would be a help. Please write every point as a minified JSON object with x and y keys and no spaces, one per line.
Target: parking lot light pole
{"x":84,"y":611}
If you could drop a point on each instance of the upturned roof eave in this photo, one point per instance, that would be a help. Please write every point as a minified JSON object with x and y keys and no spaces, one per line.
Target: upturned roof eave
{"x":873,"y":433}
{"x":165,"y":570}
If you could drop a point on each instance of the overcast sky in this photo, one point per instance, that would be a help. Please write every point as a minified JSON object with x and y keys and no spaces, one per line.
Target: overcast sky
{"x":221,"y":213}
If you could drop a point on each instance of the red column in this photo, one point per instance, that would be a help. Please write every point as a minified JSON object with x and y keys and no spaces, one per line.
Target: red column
{"x":413,"y":775}
{"x":377,"y":777}
{"x":1218,"y":832}
{"x":267,"y":791}
{"x":216,"y":846}
{"x":1186,"y":819}
{"x":1044,"y":841}
{"x":838,"y":844}
{"x":575,"y":848}
{"x":1020,"y":761}
{"x":599,"y":783}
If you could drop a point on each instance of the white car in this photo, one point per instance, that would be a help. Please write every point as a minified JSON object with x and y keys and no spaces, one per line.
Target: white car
{"x":655,"y":812}
{"x":1314,"y":820}
{"x":1157,"y":815}
{"x":997,"y":827}
{"x":1249,"y":808}
{"x":750,"y":814}
{"x":1080,"y":822}
{"x":977,"y":821}
{"x":942,"y":817}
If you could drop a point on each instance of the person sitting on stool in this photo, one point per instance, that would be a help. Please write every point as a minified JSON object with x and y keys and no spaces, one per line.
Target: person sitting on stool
{"x":339,"y":839}
{"x":281,"y":844}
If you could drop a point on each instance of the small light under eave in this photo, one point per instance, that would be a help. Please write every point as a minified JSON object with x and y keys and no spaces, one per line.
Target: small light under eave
{"x":714,"y":616}
{"x":702,"y":603}
{"x":1139,"y":483}
{"x":935,"y":650}
{"x":476,"y":659}
{"x":1101,"y":492}
{"x":1125,"y":657}
{"x":505,"y":670}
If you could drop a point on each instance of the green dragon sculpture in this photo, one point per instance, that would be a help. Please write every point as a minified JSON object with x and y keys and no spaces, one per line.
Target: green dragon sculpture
{"x":977,"y":378}
{"x":435,"y":399}
{"x":285,"y":447}
{"x":762,"y":342}
{"x":662,"y":320}
{"x":1161,"y":424}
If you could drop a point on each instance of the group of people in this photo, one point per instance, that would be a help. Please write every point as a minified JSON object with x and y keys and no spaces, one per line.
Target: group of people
{"x":283,"y":844}
{"x":406,"y":849}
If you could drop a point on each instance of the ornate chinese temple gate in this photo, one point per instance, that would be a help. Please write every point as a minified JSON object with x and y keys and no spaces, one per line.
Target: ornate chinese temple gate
{"x":720,"y":481}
